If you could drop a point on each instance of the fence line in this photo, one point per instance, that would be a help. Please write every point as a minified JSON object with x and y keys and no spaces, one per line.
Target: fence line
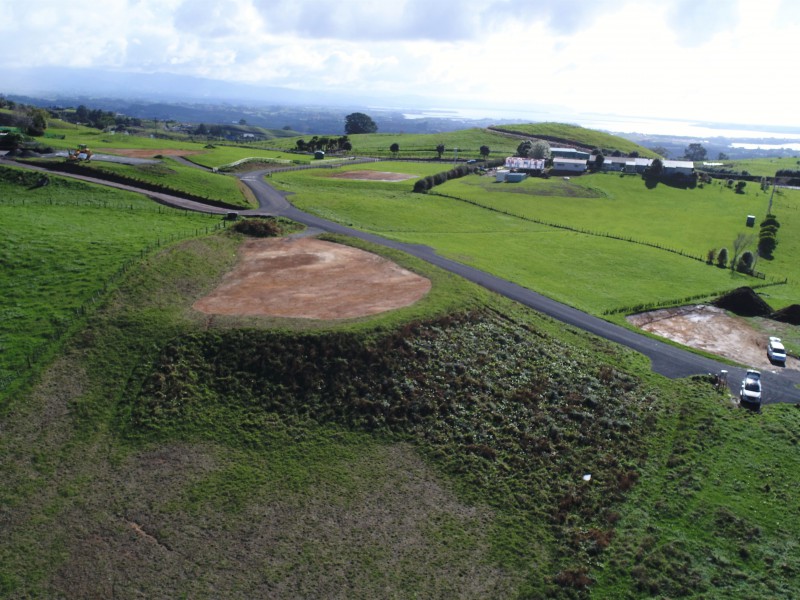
{"x":576,"y":229}
{"x":645,"y":306}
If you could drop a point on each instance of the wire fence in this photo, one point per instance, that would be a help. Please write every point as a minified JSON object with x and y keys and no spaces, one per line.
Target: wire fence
{"x":648,"y":306}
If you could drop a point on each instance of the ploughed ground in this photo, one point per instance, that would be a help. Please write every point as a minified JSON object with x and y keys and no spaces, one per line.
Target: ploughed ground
{"x":312,"y":279}
{"x":714,"y":330}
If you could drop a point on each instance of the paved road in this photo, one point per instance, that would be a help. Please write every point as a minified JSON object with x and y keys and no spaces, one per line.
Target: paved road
{"x":667,"y":360}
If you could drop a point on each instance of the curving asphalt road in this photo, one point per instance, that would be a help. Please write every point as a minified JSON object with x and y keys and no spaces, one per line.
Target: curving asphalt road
{"x":666,"y":359}
{"x":673,"y":362}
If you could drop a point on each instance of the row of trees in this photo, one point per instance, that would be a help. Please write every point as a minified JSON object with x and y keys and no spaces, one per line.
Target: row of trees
{"x":325,"y":143}
{"x":440,"y":150}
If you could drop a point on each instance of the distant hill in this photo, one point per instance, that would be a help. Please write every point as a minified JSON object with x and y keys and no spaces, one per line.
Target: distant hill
{"x":574,"y":135}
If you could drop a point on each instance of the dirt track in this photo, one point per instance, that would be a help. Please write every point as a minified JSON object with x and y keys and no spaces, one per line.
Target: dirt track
{"x":312,"y":279}
{"x":711,"y":329}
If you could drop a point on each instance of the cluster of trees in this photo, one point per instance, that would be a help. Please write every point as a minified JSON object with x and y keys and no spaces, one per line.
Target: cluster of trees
{"x":326,"y":144}
{"x":31,"y":120}
{"x":82,"y":115}
{"x":743,"y":260}
{"x":537,"y":149}
{"x":738,"y":259}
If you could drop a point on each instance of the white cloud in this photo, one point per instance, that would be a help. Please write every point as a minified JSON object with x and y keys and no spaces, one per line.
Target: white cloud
{"x":693,"y":59}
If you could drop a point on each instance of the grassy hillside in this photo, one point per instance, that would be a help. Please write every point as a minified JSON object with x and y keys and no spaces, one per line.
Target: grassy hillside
{"x":590,"y":138}
{"x":423,"y":146}
{"x":440,"y":450}
{"x":437,"y":456}
{"x":63,"y":246}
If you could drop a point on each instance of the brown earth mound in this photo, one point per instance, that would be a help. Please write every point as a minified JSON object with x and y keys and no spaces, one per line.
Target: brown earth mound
{"x":790,"y":314}
{"x":373,"y":176}
{"x":745,"y":302}
{"x":312,"y":279}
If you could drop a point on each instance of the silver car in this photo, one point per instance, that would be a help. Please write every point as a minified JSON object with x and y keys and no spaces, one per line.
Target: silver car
{"x":776,"y":351}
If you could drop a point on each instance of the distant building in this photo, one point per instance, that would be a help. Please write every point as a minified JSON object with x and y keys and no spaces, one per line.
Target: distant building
{"x":569,"y":153}
{"x":679,"y":168}
{"x":569,"y":165}
{"x":524,"y":164}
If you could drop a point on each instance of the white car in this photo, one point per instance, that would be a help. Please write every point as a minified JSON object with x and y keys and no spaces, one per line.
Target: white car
{"x":751,"y":389}
{"x":775,"y":350}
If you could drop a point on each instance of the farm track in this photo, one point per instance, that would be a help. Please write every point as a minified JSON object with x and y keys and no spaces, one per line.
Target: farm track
{"x":667,"y":360}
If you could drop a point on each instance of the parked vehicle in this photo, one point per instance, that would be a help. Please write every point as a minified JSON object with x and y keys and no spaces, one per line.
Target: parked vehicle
{"x":776,"y":351}
{"x":750,"y":393}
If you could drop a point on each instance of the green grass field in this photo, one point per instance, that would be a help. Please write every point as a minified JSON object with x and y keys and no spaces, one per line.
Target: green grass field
{"x":68,"y":242}
{"x":765,"y":167}
{"x":573,"y":267}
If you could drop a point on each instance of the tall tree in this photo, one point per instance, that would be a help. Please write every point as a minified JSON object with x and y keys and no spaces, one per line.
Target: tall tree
{"x":440,"y":150}
{"x":540,"y":149}
{"x":358,"y":122}
{"x":695,"y":151}
{"x":661,"y":150}
{"x":394,"y":148}
{"x":484,"y":152}
{"x":656,"y":168}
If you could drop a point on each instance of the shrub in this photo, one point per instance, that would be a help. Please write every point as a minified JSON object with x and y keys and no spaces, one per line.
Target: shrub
{"x":722,"y":257}
{"x":766,"y":245}
{"x":711,"y":256}
{"x":746,"y":262}
{"x":258,"y":227}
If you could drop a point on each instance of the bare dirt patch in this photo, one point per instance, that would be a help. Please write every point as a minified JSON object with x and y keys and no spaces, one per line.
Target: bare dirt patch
{"x":711,"y":329}
{"x":145,"y":153}
{"x":373,"y":176}
{"x":312,"y":279}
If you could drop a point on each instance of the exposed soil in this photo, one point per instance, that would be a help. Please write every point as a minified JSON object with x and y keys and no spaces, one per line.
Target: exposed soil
{"x":711,"y":329}
{"x":373,"y":176}
{"x":144,"y":153}
{"x":312,"y":279}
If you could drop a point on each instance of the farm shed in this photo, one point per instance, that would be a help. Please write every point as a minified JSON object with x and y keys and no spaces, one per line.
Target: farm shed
{"x":516,"y":177}
{"x":569,"y":165}
{"x":569,"y":153}
{"x":637,"y":165}
{"x":500,"y":175}
{"x":679,"y":167}
{"x":525,"y":164}
{"x":613,"y":163}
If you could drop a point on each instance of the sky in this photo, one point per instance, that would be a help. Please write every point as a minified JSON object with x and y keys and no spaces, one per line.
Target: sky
{"x":727,"y":61}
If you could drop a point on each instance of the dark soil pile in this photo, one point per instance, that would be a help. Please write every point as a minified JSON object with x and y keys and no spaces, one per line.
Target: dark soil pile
{"x":790,"y":314}
{"x":744,"y":302}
